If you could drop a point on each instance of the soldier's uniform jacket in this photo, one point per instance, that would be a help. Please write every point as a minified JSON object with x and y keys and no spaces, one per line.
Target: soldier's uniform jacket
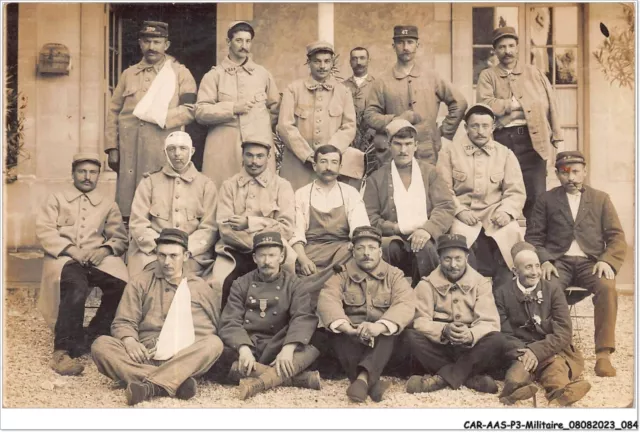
{"x":484,"y":180}
{"x":469,"y":301}
{"x":541,"y":321}
{"x":359,"y":94}
{"x":220,"y":89}
{"x":357,"y":296}
{"x":167,"y":199}
{"x":267,"y":315}
{"x":140,"y":143}
{"x":146,"y":301}
{"x":72,"y":218}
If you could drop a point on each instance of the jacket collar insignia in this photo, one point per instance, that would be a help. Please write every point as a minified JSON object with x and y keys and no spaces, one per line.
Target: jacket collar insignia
{"x":358,"y":275}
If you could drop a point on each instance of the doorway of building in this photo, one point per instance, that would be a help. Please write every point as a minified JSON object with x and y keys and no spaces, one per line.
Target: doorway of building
{"x":192,"y":32}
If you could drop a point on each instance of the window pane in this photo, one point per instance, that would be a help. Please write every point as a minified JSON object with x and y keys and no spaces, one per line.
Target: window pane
{"x":570,"y":140}
{"x":482,"y":25}
{"x":486,"y":19}
{"x":542,"y":58}
{"x":567,"y":100}
{"x":566,"y":25}
{"x":483,"y":58}
{"x":540,"y":25}
{"x":566,"y":66}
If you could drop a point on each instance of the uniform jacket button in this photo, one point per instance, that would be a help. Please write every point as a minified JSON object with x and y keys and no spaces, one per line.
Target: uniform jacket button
{"x":247,"y":321}
{"x":275,"y":312}
{"x":457,"y":316}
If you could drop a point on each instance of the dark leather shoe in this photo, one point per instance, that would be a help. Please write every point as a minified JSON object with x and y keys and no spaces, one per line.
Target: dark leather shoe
{"x":63,"y":364}
{"x":521,"y":393}
{"x":137,"y":392}
{"x":573,"y":392}
{"x":425,"y":384}
{"x":377,"y":390}
{"x":482,"y":383}
{"x":357,"y":391}
{"x":604,"y":368}
{"x":187,"y":389}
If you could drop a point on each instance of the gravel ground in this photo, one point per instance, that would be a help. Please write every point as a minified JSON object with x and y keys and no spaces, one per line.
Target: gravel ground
{"x":30,"y":383}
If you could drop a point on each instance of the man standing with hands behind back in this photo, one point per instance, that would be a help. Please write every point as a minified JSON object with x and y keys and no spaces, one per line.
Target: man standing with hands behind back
{"x":409,"y":92}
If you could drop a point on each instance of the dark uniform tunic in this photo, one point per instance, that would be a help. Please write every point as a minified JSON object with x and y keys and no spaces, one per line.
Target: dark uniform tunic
{"x":541,"y":322}
{"x":267,"y":315}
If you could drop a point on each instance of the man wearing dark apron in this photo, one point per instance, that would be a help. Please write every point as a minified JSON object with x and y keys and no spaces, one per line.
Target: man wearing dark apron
{"x":327,"y":212}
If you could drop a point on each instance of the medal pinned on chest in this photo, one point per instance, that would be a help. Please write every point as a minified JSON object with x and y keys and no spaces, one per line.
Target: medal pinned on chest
{"x":263,"y":307}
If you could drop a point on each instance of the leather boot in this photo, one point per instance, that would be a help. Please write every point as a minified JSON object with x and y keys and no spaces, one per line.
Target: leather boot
{"x":516,"y":377}
{"x":301,"y":360}
{"x":306,"y":379}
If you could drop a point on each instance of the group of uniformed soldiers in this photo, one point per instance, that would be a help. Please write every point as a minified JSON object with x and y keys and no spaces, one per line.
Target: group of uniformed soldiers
{"x":230,"y":271}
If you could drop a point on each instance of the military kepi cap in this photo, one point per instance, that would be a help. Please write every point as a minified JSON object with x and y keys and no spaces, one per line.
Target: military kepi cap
{"x":178,"y":138}
{"x":155,"y":29}
{"x":452,"y":241}
{"x":174,"y":236}
{"x":395,"y":125}
{"x":319,"y":46}
{"x":369,"y":232}
{"x":256,"y":141}
{"x":86,"y":157}
{"x":269,"y":238}
{"x":569,"y":157}
{"x":405,"y":31}
{"x":521,"y":246}
{"x":235,"y":24}
{"x":501,"y":32}
{"x":479,"y":108}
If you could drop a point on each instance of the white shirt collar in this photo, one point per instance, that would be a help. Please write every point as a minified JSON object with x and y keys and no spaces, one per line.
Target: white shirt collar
{"x":525,"y":290}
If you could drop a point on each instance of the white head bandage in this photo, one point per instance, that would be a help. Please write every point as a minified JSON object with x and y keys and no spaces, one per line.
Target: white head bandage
{"x":178,"y":138}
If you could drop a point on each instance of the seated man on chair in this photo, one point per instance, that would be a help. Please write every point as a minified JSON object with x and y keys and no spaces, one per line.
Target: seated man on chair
{"x":365,"y":307}
{"x":327,"y":212}
{"x":268,"y":321}
{"x":82,"y":234}
{"x":580,"y":241}
{"x":456,"y":332}
{"x":253,"y":201}
{"x":409,"y":201}
{"x":488,"y":191}
{"x":164,"y":333}
{"x":175,"y":196}
{"x":535,"y":317}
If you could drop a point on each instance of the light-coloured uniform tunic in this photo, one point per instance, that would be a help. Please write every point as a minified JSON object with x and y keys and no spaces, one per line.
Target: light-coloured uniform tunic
{"x":167,"y":199}
{"x":70,"y":217}
{"x":313,"y":114}
{"x":485,"y":180}
{"x":220,"y":89}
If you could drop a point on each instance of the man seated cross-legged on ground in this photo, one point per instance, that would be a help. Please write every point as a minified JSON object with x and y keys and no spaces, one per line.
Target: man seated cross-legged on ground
{"x":456,"y":333}
{"x":365,"y":307}
{"x":164,"y":332}
{"x":535,"y":317}
{"x":268,"y":324}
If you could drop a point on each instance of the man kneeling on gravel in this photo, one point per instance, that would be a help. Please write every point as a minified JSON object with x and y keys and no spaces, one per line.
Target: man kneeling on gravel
{"x":164,"y":332}
{"x":268,"y":324}
{"x":456,"y":332}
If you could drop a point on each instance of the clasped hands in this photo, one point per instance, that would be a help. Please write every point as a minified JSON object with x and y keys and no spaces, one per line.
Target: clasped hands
{"x":418,"y":239}
{"x":88,"y":256}
{"x":458,"y":333}
{"x":137,"y":351}
{"x":364,"y":331}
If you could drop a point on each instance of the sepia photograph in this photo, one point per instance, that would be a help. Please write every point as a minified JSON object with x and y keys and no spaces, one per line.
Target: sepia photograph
{"x":320,"y":205}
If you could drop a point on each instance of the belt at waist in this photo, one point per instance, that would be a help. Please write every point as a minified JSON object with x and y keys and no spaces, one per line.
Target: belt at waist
{"x":518,"y":130}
